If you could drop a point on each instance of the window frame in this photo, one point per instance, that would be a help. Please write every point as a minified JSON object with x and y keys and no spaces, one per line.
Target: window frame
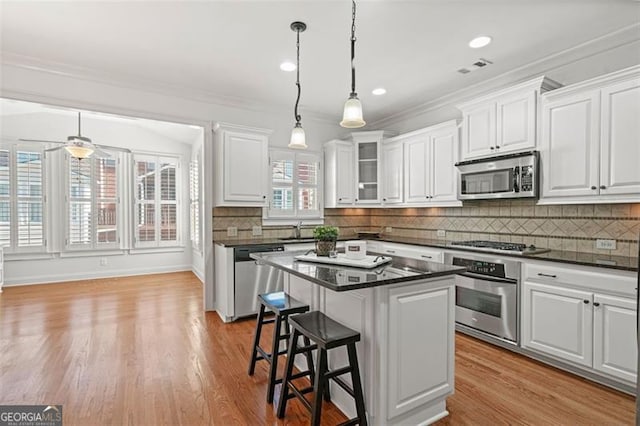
{"x":278,"y":217}
{"x":13,"y":147}
{"x":158,"y":202}
{"x":94,"y":200}
{"x":195,"y":219}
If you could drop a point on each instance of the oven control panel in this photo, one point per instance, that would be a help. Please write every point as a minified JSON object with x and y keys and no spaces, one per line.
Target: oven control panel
{"x":481,"y":267}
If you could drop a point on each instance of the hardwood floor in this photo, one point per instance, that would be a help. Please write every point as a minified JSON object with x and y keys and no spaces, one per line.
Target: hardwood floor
{"x":140,"y":351}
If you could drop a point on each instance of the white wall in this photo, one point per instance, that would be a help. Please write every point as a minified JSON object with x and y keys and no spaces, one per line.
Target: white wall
{"x":57,"y":265}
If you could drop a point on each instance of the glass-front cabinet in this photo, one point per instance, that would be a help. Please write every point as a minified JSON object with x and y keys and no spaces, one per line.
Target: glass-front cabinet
{"x":368,"y":170}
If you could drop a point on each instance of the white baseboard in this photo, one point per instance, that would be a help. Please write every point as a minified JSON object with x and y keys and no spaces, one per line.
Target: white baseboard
{"x":198,"y":273}
{"x":78,"y":276}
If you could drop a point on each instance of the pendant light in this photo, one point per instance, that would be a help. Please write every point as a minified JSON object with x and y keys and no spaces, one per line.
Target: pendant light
{"x":352,"y":116}
{"x":298,"y":140}
{"x":79,"y":146}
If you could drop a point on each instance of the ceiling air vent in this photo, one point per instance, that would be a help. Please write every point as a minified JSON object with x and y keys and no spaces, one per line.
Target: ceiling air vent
{"x":480,"y":63}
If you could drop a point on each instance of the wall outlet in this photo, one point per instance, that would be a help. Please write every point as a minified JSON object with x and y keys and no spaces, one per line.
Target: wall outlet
{"x":232,"y":231}
{"x":606,"y":244}
{"x":256,"y":231}
{"x":103,"y":261}
{"x":441,"y":233}
{"x":388,"y":229}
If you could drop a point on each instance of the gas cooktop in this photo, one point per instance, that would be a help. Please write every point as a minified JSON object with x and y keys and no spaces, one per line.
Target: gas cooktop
{"x":499,"y":247}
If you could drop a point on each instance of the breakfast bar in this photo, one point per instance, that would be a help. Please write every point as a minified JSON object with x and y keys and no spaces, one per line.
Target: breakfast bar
{"x":404,"y":310}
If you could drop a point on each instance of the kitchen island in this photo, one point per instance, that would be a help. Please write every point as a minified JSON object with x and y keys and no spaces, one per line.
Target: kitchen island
{"x":404,"y":311}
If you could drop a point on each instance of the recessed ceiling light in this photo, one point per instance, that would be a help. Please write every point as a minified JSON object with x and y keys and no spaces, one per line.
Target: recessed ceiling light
{"x":480,"y":41}
{"x":288,"y":66}
{"x":379,"y":91}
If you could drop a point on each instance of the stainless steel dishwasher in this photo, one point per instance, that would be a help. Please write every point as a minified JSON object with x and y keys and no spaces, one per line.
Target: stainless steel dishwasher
{"x":251,"y":279}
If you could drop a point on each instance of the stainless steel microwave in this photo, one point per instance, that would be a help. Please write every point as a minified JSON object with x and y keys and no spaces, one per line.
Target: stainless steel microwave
{"x":506,"y":176}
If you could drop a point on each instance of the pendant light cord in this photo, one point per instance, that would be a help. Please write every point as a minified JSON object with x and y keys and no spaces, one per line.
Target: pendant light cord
{"x":353,"y":48}
{"x":295,"y":111}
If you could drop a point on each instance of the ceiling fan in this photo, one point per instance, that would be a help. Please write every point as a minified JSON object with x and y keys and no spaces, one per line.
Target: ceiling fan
{"x":79,"y":146}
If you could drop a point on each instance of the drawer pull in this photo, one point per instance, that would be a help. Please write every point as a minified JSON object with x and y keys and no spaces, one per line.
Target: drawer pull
{"x":390,"y":251}
{"x":586,"y":302}
{"x":426,"y":257}
{"x":547,"y":275}
{"x":596,"y":304}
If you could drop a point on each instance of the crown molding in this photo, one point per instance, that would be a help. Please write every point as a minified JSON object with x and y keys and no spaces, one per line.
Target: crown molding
{"x":618,"y":38}
{"x":123,"y":81}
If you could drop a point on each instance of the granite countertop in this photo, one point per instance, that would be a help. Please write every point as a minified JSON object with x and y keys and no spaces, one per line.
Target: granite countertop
{"x":343,"y":278}
{"x":624,"y":263}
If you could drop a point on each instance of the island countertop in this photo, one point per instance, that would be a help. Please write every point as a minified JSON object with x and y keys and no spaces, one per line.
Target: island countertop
{"x":344,"y":278}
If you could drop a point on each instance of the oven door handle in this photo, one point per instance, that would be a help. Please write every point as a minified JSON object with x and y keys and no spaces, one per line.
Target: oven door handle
{"x":488,"y":278}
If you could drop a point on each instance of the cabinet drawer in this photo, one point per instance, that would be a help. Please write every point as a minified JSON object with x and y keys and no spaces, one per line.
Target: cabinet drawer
{"x":595,"y":279}
{"x":413,"y":252}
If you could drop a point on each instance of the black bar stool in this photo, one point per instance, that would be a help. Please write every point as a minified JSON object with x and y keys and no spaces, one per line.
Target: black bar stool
{"x":326,"y":334}
{"x":282,"y":305}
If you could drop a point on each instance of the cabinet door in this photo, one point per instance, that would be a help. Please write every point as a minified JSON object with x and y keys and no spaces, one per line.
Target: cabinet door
{"x":246,"y":163}
{"x":367,"y":190}
{"x":416,"y":185}
{"x":516,"y":123}
{"x":344,"y":175}
{"x":619,"y":146}
{"x":615,"y":349}
{"x":442,"y":170}
{"x":570,"y":139}
{"x":558,"y":321}
{"x":479,"y":131}
{"x":393,"y":177}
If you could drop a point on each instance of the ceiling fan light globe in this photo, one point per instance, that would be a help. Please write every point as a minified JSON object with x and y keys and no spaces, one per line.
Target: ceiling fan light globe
{"x":352,"y":115}
{"x":79,"y":152}
{"x":298,"y":138}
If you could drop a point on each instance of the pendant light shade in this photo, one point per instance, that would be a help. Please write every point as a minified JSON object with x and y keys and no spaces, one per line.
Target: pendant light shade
{"x":78,"y":151}
{"x":352,"y":115}
{"x":298,"y":139}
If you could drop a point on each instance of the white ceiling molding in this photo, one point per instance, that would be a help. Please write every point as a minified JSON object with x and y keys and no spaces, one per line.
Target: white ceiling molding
{"x":629,"y":34}
{"x":183,"y":92}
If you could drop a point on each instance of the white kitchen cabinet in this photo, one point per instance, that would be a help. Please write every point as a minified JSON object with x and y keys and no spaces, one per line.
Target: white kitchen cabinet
{"x":412,"y":252}
{"x":504,"y":121}
{"x":241,"y":166}
{"x":615,"y":351}
{"x":368,"y":167}
{"x":585,"y":316}
{"x":558,"y":321}
{"x":430,"y":173}
{"x":589,"y":150}
{"x":339,"y":174}
{"x":393,"y":176}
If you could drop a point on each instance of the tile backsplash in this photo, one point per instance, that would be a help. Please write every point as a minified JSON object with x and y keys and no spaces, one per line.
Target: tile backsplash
{"x":561,"y":227}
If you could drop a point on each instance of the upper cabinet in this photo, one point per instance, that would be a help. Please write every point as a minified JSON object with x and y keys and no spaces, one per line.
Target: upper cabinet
{"x":590,"y":132}
{"x":354,"y":170}
{"x":241,"y":166}
{"x":502,"y":122}
{"x":430,"y":175}
{"x":393,"y":177}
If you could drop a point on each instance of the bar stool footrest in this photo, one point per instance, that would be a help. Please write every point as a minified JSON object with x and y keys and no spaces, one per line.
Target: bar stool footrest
{"x":338,"y":372}
{"x":354,"y":421}
{"x":344,"y":386}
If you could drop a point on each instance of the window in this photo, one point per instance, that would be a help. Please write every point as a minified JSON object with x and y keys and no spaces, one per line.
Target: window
{"x":156,"y":192}
{"x":21,"y":199}
{"x":92,"y":201}
{"x":295,"y":185}
{"x":194,"y":203}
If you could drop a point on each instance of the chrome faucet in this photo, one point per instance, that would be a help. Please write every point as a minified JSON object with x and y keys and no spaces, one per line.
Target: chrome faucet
{"x":297,"y":229}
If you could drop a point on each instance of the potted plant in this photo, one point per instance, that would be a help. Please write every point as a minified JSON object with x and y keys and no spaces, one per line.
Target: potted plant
{"x":325,"y":237}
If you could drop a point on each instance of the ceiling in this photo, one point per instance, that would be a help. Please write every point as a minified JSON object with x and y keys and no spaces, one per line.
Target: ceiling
{"x":231,"y":50}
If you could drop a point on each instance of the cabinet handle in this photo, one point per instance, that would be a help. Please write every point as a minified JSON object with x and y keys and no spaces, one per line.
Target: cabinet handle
{"x":491,"y":148}
{"x":339,"y":199}
{"x":497,"y":146}
{"x":586,"y":302}
{"x":426,"y":257}
{"x":391,"y":251}
{"x":264,"y":197}
{"x":384,"y":199}
{"x":547,"y":275}
{"x":603,"y":187}
{"x":596,"y":304}
{"x":594,"y":187}
{"x":356,"y":199}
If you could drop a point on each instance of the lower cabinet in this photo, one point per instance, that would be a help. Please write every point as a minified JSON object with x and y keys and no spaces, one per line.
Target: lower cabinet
{"x":586,"y":328}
